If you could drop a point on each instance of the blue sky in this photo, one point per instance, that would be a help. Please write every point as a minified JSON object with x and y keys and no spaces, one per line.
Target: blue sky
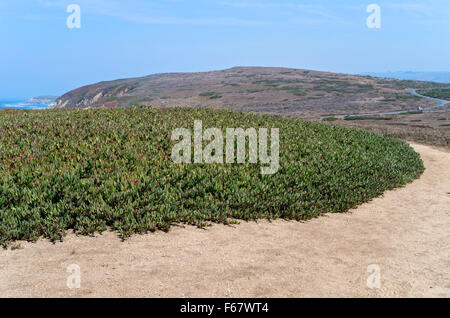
{"x":40,"y":55}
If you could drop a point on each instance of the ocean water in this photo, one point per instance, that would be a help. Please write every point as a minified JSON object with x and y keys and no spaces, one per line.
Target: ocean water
{"x":17,"y":104}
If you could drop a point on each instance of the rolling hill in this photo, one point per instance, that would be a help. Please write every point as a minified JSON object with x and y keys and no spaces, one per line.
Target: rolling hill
{"x":293,"y":92}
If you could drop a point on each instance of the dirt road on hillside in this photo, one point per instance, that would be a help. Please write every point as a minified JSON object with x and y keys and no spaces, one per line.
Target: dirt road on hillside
{"x":405,"y":233}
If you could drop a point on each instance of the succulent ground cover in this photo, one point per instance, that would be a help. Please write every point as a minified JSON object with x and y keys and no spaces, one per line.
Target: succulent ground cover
{"x":90,"y":170}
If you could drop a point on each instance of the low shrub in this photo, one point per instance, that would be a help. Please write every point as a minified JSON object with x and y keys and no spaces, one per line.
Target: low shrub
{"x":366,"y":118}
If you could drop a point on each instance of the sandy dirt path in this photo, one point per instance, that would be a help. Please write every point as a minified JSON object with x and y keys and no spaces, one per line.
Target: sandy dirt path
{"x":406,"y":233}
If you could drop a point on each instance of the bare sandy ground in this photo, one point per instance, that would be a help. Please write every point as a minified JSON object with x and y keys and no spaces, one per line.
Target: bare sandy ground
{"x":406,"y":233}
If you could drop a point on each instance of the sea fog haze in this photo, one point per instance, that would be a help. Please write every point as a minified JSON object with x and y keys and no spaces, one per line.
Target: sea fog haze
{"x":25,"y":104}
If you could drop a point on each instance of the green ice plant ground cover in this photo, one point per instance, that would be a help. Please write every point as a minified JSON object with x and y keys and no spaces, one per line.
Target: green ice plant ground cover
{"x":90,"y":170}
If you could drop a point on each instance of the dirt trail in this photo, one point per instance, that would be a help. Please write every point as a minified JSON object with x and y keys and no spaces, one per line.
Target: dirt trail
{"x":406,"y":233}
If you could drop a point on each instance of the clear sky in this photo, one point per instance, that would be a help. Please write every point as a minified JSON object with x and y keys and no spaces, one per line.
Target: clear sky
{"x":40,"y":55}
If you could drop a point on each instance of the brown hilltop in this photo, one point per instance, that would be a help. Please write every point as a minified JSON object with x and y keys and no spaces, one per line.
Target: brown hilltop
{"x":262,"y":89}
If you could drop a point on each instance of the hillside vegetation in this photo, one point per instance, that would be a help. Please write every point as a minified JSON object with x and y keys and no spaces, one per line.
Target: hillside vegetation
{"x":441,"y":93}
{"x":88,"y":170}
{"x":283,"y":91}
